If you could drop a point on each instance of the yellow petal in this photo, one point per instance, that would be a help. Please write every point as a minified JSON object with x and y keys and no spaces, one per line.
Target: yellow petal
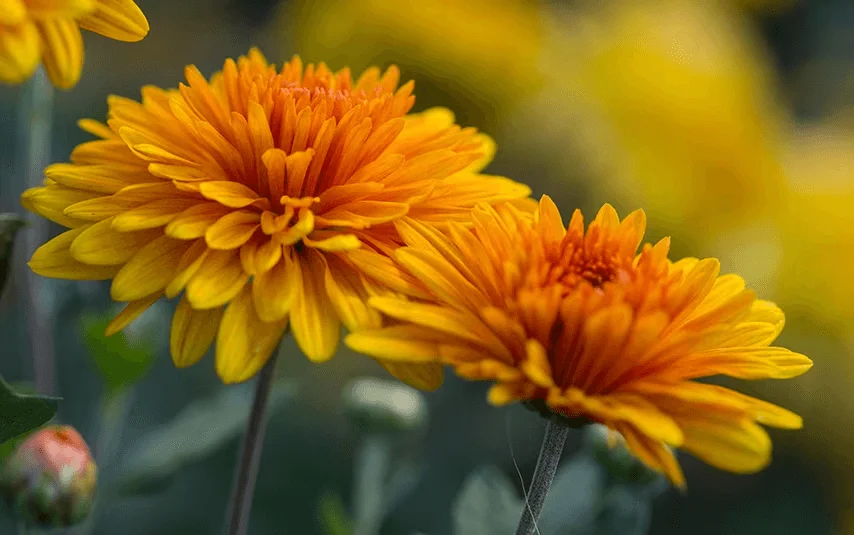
{"x":194,"y":221}
{"x":349,"y":297}
{"x":71,"y":9}
{"x":217,"y":281}
{"x":227,"y":193}
{"x":133,"y":310}
{"x":399,"y":343}
{"x":232,"y":230}
{"x":187,"y":267}
{"x":275,"y":290}
{"x":653,"y":453}
{"x":427,"y":376}
{"x":100,"y":244}
{"x":54,"y":259}
{"x":51,"y":202}
{"x":536,"y":366}
{"x":151,"y":215}
{"x":63,"y":51}
{"x":245,"y":343}
{"x":315,"y":325}
{"x":14,"y":12}
{"x":456,"y":323}
{"x":121,"y":20}
{"x":105,"y":179}
{"x":338,"y":242}
{"x":738,"y":446}
{"x":192,"y":333}
{"x":20,"y":52}
{"x":740,"y":362}
{"x":150,"y":270}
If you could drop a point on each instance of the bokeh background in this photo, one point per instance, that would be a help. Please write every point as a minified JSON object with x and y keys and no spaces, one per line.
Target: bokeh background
{"x":728,"y":121}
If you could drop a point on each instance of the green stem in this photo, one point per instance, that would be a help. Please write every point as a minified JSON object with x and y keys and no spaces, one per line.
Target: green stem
{"x":250,"y":455}
{"x":35,"y":118}
{"x":544,"y":474}
{"x":372,"y":465}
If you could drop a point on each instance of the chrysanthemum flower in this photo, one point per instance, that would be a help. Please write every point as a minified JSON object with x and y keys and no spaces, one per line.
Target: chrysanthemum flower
{"x":48,"y":31}
{"x":262,"y":196}
{"x":578,"y":324}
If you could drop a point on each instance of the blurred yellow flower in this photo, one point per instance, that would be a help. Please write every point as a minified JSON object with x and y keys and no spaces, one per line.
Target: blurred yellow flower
{"x":816,"y":222}
{"x":579,"y":324}
{"x":673,"y":107}
{"x":48,"y":31}
{"x":489,"y":49}
{"x":261,"y":195}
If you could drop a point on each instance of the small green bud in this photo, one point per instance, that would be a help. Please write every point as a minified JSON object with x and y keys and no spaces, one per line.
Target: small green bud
{"x":608,"y":447}
{"x":50,"y":478}
{"x":382,"y":406}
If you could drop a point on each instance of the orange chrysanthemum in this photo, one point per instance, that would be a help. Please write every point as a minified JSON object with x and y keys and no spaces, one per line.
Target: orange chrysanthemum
{"x":48,"y":31}
{"x":580,"y":325}
{"x":263,"y":196}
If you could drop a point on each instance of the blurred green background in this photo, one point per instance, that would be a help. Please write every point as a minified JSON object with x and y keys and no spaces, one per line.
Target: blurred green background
{"x":728,"y":121}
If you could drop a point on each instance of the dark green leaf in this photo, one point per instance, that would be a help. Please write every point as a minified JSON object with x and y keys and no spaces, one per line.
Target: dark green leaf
{"x":20,"y":413}
{"x":9,"y":226}
{"x":333,"y":515}
{"x":488,"y":504}
{"x":9,"y":446}
{"x":199,"y":430}
{"x":122,"y":362}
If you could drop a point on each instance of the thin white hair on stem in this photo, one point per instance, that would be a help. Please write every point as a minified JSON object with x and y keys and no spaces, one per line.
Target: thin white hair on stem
{"x":518,"y":471}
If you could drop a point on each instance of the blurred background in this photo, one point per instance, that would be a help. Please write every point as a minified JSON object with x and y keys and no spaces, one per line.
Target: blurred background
{"x":729,"y":121}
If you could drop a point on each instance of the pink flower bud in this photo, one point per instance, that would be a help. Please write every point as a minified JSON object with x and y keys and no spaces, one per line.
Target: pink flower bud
{"x":50,"y":478}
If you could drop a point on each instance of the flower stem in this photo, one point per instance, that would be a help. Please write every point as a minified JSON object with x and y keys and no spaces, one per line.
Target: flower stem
{"x":243,"y":489}
{"x":35,"y":129}
{"x":372,"y":466}
{"x":544,"y":474}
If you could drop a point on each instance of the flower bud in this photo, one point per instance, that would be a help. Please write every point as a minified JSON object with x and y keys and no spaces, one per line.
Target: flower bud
{"x":382,"y":406}
{"x":608,"y":447}
{"x":50,"y":478}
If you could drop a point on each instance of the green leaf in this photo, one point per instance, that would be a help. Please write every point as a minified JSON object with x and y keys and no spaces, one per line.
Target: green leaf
{"x":121,"y":361}
{"x":333,"y":515}
{"x":488,"y":504}
{"x":199,"y":430}
{"x":21,"y":413}
{"x":574,"y":497}
{"x":9,"y":226}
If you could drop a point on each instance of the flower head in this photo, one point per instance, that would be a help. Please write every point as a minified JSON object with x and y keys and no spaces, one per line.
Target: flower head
{"x":579,"y":324}
{"x":50,"y":478}
{"x":266,"y":197}
{"x":48,"y":32}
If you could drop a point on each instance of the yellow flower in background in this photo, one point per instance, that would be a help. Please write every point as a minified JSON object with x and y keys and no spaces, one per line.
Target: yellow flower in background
{"x":816,"y":223}
{"x":260,"y":194}
{"x":48,"y":32}
{"x":486,"y":51}
{"x":672,"y":106}
{"x":579,"y":323}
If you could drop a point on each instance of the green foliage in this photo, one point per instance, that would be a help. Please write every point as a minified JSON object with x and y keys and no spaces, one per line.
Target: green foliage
{"x":20,"y":413}
{"x":199,"y":430}
{"x":9,"y":226}
{"x":488,"y":504}
{"x":333,"y":515}
{"x":120,"y":360}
